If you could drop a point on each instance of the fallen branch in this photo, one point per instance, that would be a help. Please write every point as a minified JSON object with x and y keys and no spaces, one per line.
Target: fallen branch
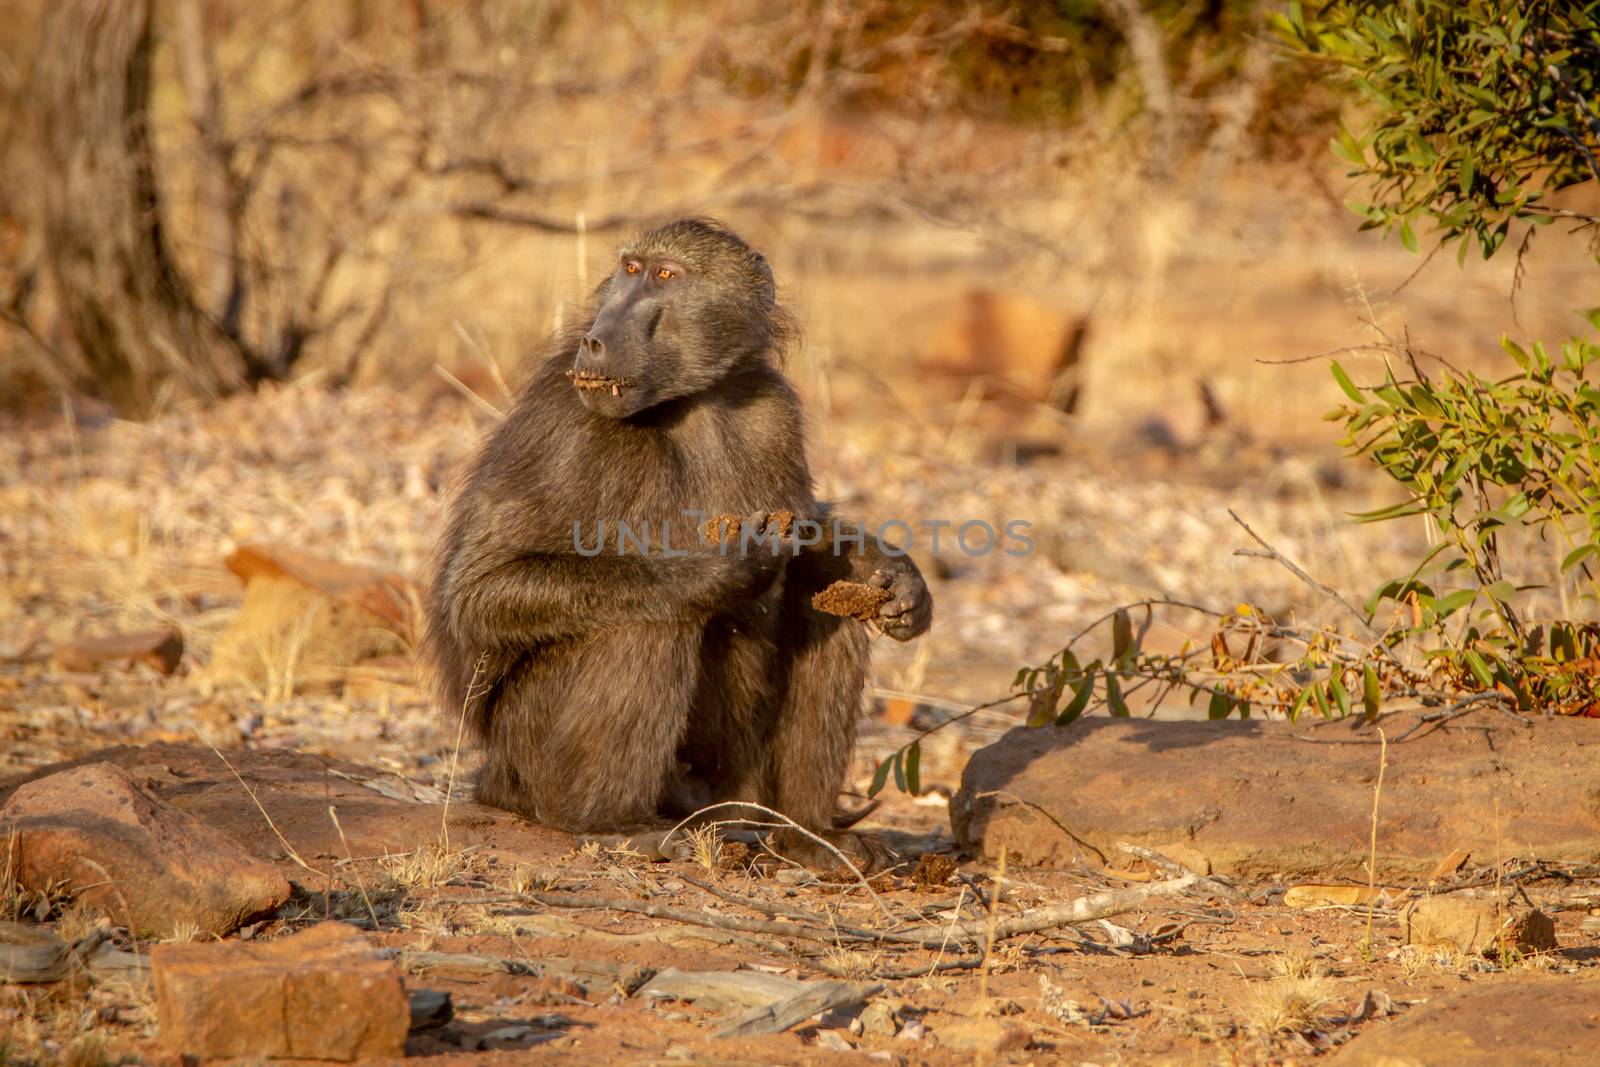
{"x":1083,"y":909}
{"x":831,"y":935}
{"x":861,"y":879}
{"x":815,"y":999}
{"x":590,"y":974}
{"x":31,"y":954}
{"x":1174,"y":869}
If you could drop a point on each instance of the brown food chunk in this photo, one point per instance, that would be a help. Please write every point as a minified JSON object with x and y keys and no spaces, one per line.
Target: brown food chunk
{"x":851,"y":600}
{"x":727,"y":527}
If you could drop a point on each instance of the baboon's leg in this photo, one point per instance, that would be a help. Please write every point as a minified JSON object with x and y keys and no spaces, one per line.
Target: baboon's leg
{"x":731,"y":723}
{"x":815,"y":728}
{"x":589,"y":739}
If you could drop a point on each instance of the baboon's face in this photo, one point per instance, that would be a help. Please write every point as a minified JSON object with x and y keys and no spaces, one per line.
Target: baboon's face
{"x":685,"y":303}
{"x":626,"y":358}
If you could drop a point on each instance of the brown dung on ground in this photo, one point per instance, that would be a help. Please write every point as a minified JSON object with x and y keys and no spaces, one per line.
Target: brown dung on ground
{"x":852,"y":600}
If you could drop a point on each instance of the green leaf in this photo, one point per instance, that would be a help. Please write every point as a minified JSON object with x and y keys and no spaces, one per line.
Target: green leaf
{"x":1502,"y":590}
{"x":1319,"y":694}
{"x":1220,"y":705}
{"x":1082,"y":692}
{"x":913,"y":768}
{"x":900,"y":771}
{"x":1114,"y":702}
{"x":1346,"y":384}
{"x":1299,"y":703}
{"x":1451,"y":603}
{"x":1370,"y":691}
{"x":1480,"y":669}
{"x":881,"y":777}
{"x":1408,"y":237}
{"x":1341,"y":695}
{"x":1578,"y":555}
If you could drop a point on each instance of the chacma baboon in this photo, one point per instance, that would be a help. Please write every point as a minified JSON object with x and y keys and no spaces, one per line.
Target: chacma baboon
{"x":622,"y":666}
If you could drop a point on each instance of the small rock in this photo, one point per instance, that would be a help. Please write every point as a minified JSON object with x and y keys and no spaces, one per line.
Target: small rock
{"x":321,"y":994}
{"x":140,"y":860}
{"x":996,"y":1006}
{"x":679,"y":1052}
{"x":878,"y":1019}
{"x":984,"y":1035}
{"x":1473,"y":924}
{"x":161,"y":649}
{"x":430,"y":1008}
{"x":913,"y":1030}
{"x":831,"y":1039}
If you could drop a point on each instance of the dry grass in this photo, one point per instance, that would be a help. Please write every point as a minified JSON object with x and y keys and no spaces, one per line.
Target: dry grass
{"x":851,"y":964}
{"x":525,"y":878}
{"x":705,"y":846}
{"x":1300,"y":999}
{"x":184,"y":933}
{"x":430,"y":866}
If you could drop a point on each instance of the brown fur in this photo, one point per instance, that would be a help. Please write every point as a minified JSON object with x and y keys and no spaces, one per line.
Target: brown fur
{"x":614,"y":689}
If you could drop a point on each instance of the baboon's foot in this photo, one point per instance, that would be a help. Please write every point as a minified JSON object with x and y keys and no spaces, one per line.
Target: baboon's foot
{"x":865,"y":851}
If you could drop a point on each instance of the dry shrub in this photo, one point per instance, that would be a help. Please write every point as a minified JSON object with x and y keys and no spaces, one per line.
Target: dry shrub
{"x":1301,"y":999}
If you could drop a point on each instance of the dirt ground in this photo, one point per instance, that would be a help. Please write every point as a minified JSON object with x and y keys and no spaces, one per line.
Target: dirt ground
{"x":1246,"y":980}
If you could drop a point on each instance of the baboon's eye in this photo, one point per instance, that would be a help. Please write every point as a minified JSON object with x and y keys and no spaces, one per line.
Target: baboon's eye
{"x":663,"y":273}
{"x":632,"y":268}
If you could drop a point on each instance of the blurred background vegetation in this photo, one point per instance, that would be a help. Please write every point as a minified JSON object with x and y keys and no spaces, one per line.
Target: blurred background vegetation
{"x":201,"y":195}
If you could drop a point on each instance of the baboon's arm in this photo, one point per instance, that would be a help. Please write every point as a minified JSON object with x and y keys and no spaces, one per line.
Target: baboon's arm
{"x":500,"y":600}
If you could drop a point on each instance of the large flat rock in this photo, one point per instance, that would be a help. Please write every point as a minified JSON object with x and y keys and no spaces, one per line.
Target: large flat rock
{"x":1530,"y":1022}
{"x":1258,"y":800}
{"x":296,"y":789}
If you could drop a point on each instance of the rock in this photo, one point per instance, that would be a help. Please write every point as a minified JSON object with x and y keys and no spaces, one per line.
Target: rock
{"x":878,"y":1019}
{"x":1032,"y":349}
{"x":297,"y":788}
{"x":1475,"y":924}
{"x":1544,"y":1021}
{"x":321,"y":994}
{"x":430,"y":1008}
{"x":161,"y":649}
{"x":984,"y":1035}
{"x":133,"y":856}
{"x":320,"y":615}
{"x":834,"y":1041}
{"x":1054,"y":797}
{"x":382,"y":592}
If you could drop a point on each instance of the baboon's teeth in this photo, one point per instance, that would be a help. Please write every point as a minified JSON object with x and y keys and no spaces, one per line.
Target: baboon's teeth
{"x":616,"y":390}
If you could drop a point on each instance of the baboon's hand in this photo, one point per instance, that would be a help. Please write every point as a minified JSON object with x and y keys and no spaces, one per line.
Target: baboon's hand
{"x":910,"y":608}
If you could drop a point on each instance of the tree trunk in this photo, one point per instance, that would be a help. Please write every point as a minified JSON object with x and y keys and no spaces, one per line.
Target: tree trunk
{"x":142,"y":336}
